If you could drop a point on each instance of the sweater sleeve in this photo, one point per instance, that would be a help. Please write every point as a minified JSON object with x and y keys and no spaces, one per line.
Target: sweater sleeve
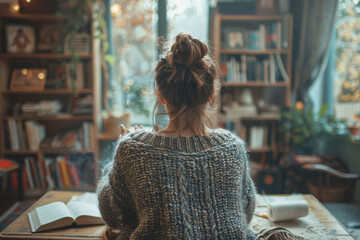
{"x":248,"y":188}
{"x":115,"y":202}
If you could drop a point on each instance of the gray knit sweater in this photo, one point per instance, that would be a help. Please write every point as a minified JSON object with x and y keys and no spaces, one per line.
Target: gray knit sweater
{"x":162,"y":187}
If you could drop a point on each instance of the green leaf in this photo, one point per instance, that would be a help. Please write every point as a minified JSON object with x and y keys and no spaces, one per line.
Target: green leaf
{"x":105,"y":46}
{"x":109,"y":59}
{"x":323,"y":110}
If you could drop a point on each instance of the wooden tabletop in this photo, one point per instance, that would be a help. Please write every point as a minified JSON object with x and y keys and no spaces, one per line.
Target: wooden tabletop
{"x":20,"y":228}
{"x":318,"y":224}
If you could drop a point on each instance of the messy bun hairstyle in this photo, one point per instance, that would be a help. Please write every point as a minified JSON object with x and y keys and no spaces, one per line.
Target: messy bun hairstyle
{"x":186,"y":78}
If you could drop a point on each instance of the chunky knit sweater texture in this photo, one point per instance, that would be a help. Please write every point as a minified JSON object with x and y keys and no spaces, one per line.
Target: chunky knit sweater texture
{"x":162,"y":187}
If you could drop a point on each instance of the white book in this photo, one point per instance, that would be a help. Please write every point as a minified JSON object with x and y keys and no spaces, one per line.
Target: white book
{"x":262,"y":36}
{"x":253,"y":137}
{"x":14,"y":144}
{"x":58,"y":214}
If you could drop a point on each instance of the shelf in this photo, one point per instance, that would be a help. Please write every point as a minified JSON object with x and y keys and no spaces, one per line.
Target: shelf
{"x":60,"y":151}
{"x":263,"y":117}
{"x":254,"y":84}
{"x":32,"y":17}
{"x":43,"y":55}
{"x":47,"y":151}
{"x":252,"y":17}
{"x":259,"y":150}
{"x":46,"y":91}
{"x":254,"y":52}
{"x":50,"y":118}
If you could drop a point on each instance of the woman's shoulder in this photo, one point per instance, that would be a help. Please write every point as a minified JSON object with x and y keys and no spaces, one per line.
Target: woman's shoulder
{"x":231,"y":136}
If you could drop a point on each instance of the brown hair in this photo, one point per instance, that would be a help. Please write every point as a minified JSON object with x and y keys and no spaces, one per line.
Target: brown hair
{"x":185,"y":77}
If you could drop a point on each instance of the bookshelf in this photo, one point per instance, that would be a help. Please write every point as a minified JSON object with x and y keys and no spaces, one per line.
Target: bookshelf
{"x":254,"y":53}
{"x":56,"y":142}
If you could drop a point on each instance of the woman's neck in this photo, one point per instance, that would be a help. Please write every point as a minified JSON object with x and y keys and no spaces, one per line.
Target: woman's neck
{"x":172,"y":129}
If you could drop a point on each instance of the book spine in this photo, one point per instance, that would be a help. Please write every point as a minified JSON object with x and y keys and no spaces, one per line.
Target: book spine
{"x":29,"y":174}
{"x":63,"y":172}
{"x":58,"y":174}
{"x":49,"y":174}
{"x":34,"y":172}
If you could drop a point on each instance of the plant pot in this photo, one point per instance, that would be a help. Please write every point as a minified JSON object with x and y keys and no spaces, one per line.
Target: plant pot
{"x":354,"y":130}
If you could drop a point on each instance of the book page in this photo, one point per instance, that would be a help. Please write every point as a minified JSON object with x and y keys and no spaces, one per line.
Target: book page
{"x":88,"y":197}
{"x":52,"y":212}
{"x":50,"y":216}
{"x":81,"y":209}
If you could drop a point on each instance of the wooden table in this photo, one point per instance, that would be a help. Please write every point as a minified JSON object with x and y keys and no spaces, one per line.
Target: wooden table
{"x":318,"y":224}
{"x":20,"y":228}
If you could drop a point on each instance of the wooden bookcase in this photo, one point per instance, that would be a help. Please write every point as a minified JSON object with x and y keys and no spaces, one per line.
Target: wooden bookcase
{"x":265,"y":91}
{"x":46,"y":162}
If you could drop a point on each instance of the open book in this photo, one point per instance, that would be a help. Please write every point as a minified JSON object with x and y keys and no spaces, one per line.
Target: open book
{"x":77,"y":211}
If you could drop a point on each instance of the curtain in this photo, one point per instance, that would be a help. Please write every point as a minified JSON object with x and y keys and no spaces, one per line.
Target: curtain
{"x":313,"y":28}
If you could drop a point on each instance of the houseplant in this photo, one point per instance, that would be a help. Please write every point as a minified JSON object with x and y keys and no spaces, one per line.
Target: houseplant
{"x":308,"y":129}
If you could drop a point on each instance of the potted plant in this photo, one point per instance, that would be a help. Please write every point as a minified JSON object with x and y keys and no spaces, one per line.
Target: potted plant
{"x":308,"y":129}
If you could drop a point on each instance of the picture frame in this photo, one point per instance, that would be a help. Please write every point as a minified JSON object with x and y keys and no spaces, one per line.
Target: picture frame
{"x":20,"y":38}
{"x":267,"y":7}
{"x":48,"y":37}
{"x":79,"y":43}
{"x":28,"y":79}
{"x":236,"y":38}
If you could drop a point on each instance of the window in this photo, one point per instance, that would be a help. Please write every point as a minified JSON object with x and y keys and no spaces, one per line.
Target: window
{"x":134,"y":35}
{"x":347,"y":79}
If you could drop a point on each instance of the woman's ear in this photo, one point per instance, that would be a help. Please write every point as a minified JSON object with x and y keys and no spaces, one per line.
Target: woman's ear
{"x":212,"y":95}
{"x":161,"y":99}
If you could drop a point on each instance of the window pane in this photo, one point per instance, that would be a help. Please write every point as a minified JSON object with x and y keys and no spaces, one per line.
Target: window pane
{"x":347,"y":85}
{"x":134,"y":34}
{"x":188,"y":16}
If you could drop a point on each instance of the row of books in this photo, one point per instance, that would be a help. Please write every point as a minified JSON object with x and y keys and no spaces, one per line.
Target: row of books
{"x":274,"y":35}
{"x":66,"y":172}
{"x":81,"y":138}
{"x":45,"y":107}
{"x":25,"y":136}
{"x":243,"y":69}
{"x":255,"y":136}
{"x":31,"y":135}
{"x":60,"y":76}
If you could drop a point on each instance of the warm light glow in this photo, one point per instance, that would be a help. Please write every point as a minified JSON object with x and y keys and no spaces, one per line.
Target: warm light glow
{"x":126,"y":89}
{"x":16,"y":7}
{"x":41,"y":76}
{"x":131,"y":82}
{"x":115,"y":9}
{"x":24,"y":71}
{"x":28,"y":1}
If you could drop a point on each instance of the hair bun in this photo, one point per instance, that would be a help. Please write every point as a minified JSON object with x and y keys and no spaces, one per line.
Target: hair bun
{"x":186,"y":51}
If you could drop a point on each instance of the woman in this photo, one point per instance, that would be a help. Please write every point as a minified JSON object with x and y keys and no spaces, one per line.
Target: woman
{"x":186,"y":181}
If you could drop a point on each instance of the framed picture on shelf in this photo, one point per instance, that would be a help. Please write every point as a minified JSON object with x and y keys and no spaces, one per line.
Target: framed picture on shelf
{"x":28,"y":79}
{"x":235,"y":38}
{"x":20,"y":39}
{"x":79,"y":43}
{"x":48,"y":38}
{"x":267,"y":7}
